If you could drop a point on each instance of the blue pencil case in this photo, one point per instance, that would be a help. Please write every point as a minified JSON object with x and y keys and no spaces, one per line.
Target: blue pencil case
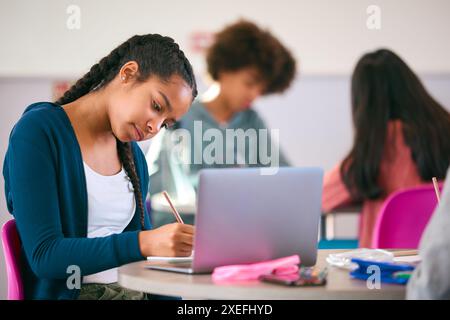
{"x":387,"y":271}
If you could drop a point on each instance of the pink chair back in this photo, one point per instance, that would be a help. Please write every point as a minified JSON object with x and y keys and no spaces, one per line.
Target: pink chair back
{"x":11,"y":250}
{"x":403,"y":218}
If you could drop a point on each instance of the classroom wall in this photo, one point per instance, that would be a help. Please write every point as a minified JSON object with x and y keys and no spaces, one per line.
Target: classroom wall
{"x":327,"y":37}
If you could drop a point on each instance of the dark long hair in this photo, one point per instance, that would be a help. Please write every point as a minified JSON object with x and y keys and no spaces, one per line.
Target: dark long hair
{"x":155,"y":55}
{"x":384,"y":88}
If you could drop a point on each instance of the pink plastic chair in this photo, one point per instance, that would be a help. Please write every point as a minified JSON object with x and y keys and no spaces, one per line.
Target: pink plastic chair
{"x":11,"y":250}
{"x":403,"y":218}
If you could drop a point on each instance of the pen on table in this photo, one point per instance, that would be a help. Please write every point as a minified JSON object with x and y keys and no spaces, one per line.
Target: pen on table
{"x":404,"y":253}
{"x":436,"y":189}
{"x":174,"y":211}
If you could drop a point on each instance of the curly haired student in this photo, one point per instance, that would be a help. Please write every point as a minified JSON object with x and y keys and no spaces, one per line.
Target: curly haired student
{"x":245,"y":62}
{"x":76,"y":180}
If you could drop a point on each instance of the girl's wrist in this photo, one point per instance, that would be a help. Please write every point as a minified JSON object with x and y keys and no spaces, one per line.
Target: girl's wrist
{"x":142,"y":244}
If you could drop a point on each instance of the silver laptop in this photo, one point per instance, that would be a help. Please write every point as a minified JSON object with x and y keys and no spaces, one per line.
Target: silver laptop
{"x":246,"y":217}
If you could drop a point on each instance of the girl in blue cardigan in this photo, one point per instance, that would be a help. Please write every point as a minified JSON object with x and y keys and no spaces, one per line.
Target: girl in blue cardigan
{"x":75,"y":177}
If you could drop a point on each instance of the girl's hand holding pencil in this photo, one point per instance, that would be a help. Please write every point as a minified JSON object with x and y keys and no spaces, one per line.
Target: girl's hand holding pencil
{"x":170,"y":240}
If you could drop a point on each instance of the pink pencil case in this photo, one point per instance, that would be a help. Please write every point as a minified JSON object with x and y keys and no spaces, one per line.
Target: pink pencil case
{"x":281,"y":266}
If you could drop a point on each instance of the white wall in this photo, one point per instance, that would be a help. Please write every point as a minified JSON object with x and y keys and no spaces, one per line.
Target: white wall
{"x":326,"y":35}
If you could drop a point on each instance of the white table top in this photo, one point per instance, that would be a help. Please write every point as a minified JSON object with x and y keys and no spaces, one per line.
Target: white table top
{"x":339,"y":285}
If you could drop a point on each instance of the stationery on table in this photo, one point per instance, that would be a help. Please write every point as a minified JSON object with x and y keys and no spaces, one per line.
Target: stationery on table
{"x":394,"y":266}
{"x":171,"y":259}
{"x":305,"y":277}
{"x":390,"y":272}
{"x":284,"y":271}
{"x":344,"y":259}
{"x":406,"y":256}
{"x":404,"y":253}
{"x":245,"y":272}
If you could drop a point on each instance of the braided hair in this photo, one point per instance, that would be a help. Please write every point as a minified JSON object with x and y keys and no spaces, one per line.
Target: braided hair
{"x":156,"y":55}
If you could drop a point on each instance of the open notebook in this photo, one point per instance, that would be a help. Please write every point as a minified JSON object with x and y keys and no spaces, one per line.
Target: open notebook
{"x":171,"y":259}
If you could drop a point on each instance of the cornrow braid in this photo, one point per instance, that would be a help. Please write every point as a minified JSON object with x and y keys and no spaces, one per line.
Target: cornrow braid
{"x":155,"y":55}
{"x":126,"y":157}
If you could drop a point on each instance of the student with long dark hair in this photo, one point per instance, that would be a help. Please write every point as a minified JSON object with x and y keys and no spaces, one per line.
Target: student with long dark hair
{"x":76,"y":180}
{"x":401,"y":139}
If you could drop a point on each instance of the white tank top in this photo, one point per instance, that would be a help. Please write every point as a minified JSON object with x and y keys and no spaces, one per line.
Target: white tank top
{"x":111,"y":207}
